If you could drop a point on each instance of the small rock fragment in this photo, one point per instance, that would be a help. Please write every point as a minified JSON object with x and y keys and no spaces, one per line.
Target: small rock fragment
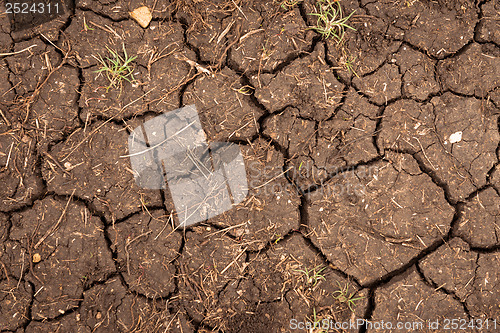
{"x":142,"y":15}
{"x":37,"y":258}
{"x":456,"y":137}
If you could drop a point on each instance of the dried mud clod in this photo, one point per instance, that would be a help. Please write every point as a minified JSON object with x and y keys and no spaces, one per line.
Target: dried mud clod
{"x":157,"y":72}
{"x":489,"y":28}
{"x":271,"y":208}
{"x":146,"y":246}
{"x":287,"y":281}
{"x":478,"y":223}
{"x":267,"y":38}
{"x":307,"y":83}
{"x":71,"y":249}
{"x":89,"y":164}
{"x":408,"y":298}
{"x":225,"y":109}
{"x":108,"y":307}
{"x":382,"y":86}
{"x":26,"y":75}
{"x":374,"y":220}
{"x":5,"y":36}
{"x":418,"y":73}
{"x":438,"y":28}
{"x":425,"y":130}
{"x":207,"y":265}
{"x":475,"y":72}
{"x":317,"y":150}
{"x":15,"y":301}
{"x":468,"y":275}
{"x":19,"y":172}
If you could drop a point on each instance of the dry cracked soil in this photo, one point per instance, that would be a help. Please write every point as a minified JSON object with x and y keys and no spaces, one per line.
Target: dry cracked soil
{"x":373,"y":169}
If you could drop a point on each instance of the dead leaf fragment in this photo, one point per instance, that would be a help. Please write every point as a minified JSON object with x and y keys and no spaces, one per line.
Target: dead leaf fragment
{"x":142,"y":15}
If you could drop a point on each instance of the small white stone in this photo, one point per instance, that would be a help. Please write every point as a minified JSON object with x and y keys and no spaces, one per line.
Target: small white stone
{"x":456,"y":137}
{"x":142,"y":15}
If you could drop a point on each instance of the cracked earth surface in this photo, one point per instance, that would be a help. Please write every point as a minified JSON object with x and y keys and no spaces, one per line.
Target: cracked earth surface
{"x":384,"y":176}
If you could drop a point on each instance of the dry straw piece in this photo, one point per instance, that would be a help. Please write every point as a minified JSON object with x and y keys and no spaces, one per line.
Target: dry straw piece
{"x":142,"y":15}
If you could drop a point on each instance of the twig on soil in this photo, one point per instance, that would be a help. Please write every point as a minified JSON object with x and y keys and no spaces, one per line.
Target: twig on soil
{"x":107,"y":29}
{"x":160,"y":143}
{"x":274,"y":178}
{"x":54,"y":227}
{"x":7,"y":122}
{"x":56,"y":163}
{"x":425,"y":155}
{"x":170,"y":322}
{"x":248,"y":34}
{"x":170,"y":219}
{"x":232,"y":262}
{"x":8,"y":156}
{"x":17,"y":52}
{"x":192,"y":63}
{"x":236,"y":40}
{"x":226,"y":229}
{"x":33,"y":96}
{"x":190,"y":282}
{"x":31,"y":263}
{"x":22,"y":270}
{"x":5,"y":270}
{"x":224,"y":32}
{"x":155,"y":56}
{"x":103,"y":319}
{"x":54,"y":45}
{"x":128,"y":244}
{"x":239,"y":9}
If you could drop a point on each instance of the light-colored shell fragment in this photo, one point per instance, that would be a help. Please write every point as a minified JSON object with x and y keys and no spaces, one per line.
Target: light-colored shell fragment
{"x":456,"y":137}
{"x":142,"y":15}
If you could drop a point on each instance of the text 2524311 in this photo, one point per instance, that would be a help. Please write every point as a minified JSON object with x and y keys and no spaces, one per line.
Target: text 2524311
{"x":31,"y":8}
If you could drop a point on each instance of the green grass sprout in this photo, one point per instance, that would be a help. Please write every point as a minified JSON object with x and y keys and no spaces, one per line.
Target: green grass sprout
{"x":331,"y":22}
{"x":313,"y":276}
{"x":117,"y":68}
{"x":344,"y":296}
